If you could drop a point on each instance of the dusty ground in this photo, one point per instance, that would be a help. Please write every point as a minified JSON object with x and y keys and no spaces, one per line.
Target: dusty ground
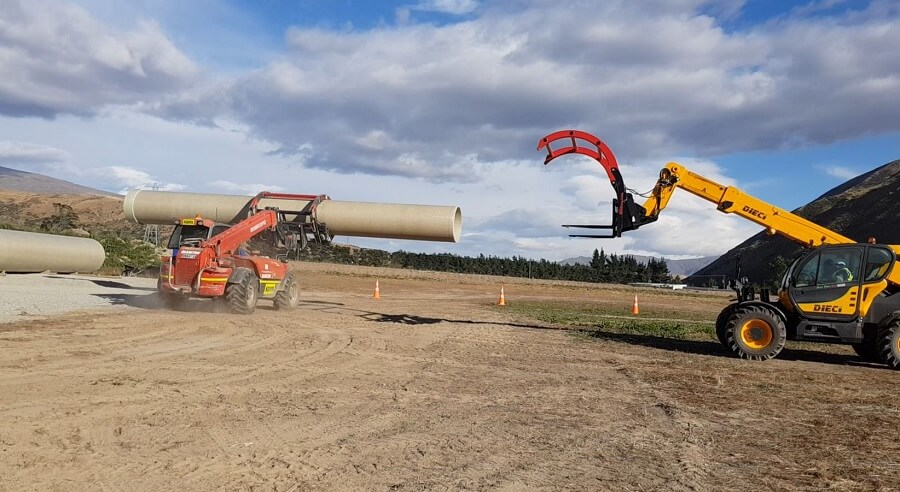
{"x":432,"y":387}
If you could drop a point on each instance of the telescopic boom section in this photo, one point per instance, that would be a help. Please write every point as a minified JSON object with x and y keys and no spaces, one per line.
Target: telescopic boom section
{"x":731,"y":200}
{"x":227,"y":242}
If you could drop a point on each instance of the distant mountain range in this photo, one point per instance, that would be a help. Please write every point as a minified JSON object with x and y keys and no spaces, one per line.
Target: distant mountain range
{"x":677,"y":268}
{"x":12,"y":179}
{"x":865,"y":206}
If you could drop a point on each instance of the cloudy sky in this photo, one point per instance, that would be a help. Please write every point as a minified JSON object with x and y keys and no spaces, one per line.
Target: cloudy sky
{"x":443,"y":102}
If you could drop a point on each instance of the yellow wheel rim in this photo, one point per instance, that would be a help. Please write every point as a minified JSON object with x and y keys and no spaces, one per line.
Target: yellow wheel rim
{"x":757,"y":334}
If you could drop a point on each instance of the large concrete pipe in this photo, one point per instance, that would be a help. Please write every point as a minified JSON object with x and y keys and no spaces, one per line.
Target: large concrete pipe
{"x":30,"y":252}
{"x":361,"y":219}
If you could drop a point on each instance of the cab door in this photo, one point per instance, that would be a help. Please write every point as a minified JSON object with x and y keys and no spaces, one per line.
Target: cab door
{"x":826,"y":283}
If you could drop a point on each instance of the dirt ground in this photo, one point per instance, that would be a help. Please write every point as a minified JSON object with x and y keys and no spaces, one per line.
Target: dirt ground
{"x":431,"y":387}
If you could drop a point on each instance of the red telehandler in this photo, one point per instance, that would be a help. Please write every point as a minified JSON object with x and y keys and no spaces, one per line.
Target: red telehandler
{"x":208,"y":259}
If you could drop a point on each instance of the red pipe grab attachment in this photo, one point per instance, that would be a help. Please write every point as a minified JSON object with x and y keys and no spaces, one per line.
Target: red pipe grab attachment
{"x":626,"y":214}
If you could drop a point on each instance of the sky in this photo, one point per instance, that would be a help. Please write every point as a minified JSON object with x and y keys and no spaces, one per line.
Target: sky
{"x":443,"y":102}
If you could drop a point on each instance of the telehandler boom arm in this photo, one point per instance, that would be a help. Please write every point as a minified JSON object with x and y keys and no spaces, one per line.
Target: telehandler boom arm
{"x":731,"y":200}
{"x":228,"y":241}
{"x":628,"y":216}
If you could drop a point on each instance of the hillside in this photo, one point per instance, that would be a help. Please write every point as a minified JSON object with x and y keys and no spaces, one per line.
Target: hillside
{"x":863,"y":207}
{"x":677,"y":268}
{"x":27,"y":210}
{"x":12,"y":179}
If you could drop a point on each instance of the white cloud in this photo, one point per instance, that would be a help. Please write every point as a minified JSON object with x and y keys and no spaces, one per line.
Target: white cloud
{"x":402,"y":16}
{"x":438,"y":102}
{"x":56,"y":58}
{"x":135,"y":179}
{"x":454,"y":7}
{"x":841,"y":172}
{"x":441,"y":102}
{"x":245,"y":188}
{"x":24,"y":153}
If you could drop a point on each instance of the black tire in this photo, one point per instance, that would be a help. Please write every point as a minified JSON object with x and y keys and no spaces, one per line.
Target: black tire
{"x":722,"y":323}
{"x":242,"y":296}
{"x":867,"y":350}
{"x":888,"y":343}
{"x":755,"y":333}
{"x":289,"y":295}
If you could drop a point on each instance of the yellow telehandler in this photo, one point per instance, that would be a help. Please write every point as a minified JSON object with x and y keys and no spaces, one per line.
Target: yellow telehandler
{"x":838,"y":291}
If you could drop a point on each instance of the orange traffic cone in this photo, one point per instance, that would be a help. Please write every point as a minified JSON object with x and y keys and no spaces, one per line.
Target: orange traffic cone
{"x":377,"y":294}
{"x":502,"y":300}
{"x":635,"y":310}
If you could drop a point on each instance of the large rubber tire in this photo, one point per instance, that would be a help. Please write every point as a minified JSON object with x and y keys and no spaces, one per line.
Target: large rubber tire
{"x":289,"y":295}
{"x":242,"y":296}
{"x":722,"y":323}
{"x":755,"y":333}
{"x":889,"y":344}
{"x":867,"y":350}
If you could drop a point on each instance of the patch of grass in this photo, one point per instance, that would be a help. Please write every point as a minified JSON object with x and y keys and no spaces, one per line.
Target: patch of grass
{"x":595,"y":320}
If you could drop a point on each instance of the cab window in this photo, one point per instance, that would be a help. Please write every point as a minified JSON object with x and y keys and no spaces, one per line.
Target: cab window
{"x":808,"y":271}
{"x":839,"y":266}
{"x":830,"y":267}
{"x":878,"y":263}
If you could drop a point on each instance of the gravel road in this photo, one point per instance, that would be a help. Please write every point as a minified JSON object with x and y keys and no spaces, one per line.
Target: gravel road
{"x":29,"y":296}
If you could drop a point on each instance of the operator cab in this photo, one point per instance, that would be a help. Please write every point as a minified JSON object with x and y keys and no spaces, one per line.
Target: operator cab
{"x":830,"y":282}
{"x":192,"y":232}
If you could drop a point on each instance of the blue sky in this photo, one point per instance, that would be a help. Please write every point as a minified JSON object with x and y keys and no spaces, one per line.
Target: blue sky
{"x":443,"y":101}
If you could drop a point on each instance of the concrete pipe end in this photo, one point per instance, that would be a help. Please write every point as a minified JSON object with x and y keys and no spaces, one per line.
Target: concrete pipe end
{"x":128,"y":206}
{"x":457,"y":224}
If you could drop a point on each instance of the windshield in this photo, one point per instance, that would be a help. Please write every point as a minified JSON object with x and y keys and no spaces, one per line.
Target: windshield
{"x":192,"y":235}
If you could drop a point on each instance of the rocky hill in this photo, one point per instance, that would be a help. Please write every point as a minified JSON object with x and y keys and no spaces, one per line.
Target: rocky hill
{"x":87,"y":213}
{"x":12,"y":179}
{"x":866,"y":206}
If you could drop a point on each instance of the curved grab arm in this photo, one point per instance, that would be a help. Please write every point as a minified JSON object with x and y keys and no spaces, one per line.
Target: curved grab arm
{"x":603,"y":155}
{"x":626,"y":214}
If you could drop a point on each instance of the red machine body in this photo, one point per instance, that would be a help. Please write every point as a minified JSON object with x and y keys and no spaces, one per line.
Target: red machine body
{"x":209,"y":261}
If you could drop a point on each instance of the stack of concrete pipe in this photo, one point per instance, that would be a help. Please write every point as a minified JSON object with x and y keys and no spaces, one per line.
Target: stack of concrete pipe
{"x":359,"y":219}
{"x":31,"y":252}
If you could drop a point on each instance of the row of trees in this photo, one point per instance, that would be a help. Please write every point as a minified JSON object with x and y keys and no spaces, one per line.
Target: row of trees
{"x":602,"y":268}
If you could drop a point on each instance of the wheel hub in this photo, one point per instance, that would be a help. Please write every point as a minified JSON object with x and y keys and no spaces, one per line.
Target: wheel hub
{"x":757,"y":334}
